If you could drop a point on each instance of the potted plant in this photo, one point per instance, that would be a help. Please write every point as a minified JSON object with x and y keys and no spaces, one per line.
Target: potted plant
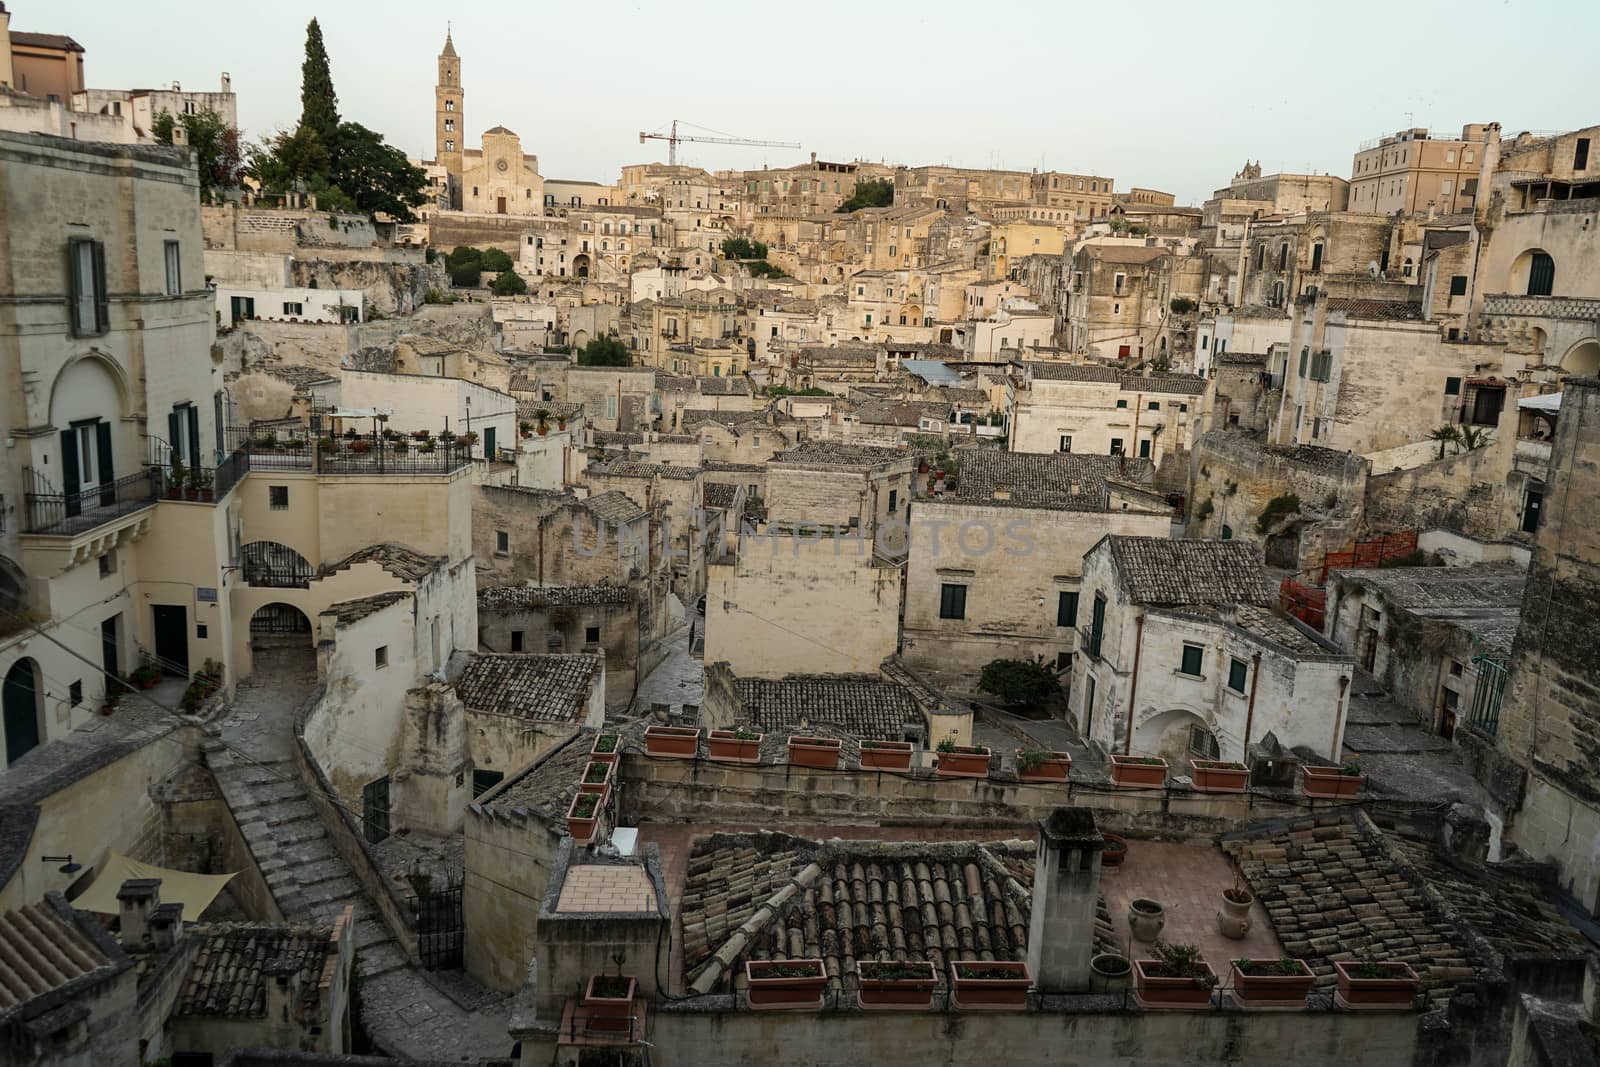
{"x":1332,"y":783}
{"x":605,"y":748}
{"x":176,"y":481}
{"x":1234,"y":918}
{"x":963,"y":761}
{"x":991,"y":983}
{"x":527,"y":428}
{"x":785,"y":983}
{"x":328,"y":444}
{"x":674,"y":742}
{"x":1280,"y":983}
{"x":544,"y":421}
{"x":885,"y":755}
{"x":1176,"y":978}
{"x":1219,"y":776}
{"x":1115,"y":850}
{"x":1109,"y":972}
{"x":146,"y":675}
{"x":583,"y":814}
{"x":1138,"y":772}
{"x":401,"y":446}
{"x":561,"y":422}
{"x":1041,"y":765}
{"x":361,"y":447}
{"x":350,"y":433}
{"x":906,"y":985}
{"x":739,"y":745}
{"x":819,"y":752}
{"x":1146,"y":917}
{"x":609,"y":1000}
{"x":421,"y":435}
{"x":426,"y":447}
{"x":1374,"y":985}
{"x":596,"y":776}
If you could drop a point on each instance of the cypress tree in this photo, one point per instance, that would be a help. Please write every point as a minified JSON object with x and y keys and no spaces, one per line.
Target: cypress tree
{"x":319,"y":105}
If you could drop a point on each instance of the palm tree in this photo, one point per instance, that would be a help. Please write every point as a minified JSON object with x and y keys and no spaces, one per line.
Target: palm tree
{"x":1473,"y":437}
{"x":1445,"y":435}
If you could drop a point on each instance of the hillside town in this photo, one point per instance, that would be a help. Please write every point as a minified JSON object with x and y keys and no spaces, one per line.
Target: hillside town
{"x":823,"y":613}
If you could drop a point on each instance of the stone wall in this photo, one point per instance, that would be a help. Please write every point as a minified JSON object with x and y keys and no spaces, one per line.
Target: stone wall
{"x":389,"y":288}
{"x":451,"y":228}
{"x":509,"y":858}
{"x":1463,"y":493}
{"x":199,"y":834}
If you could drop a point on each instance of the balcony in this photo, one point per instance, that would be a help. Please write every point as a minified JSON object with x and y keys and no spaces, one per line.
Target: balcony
{"x":1506,"y":305}
{"x":369,"y":454}
{"x":1533,"y":456}
{"x":71,"y":514}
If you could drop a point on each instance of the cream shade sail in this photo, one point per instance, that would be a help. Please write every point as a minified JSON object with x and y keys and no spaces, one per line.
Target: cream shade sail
{"x":194,"y":891}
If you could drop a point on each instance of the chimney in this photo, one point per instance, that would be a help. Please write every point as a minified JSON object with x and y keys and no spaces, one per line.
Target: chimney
{"x":166,"y":926}
{"x":227,"y":82}
{"x":137,"y":902}
{"x":1066,"y":894}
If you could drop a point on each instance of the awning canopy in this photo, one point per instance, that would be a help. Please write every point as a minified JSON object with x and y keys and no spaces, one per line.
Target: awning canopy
{"x":360,"y":413}
{"x":1549,"y":403}
{"x":194,"y":891}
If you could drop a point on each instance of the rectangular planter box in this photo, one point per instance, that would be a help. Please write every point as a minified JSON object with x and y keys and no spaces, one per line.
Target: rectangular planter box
{"x":897,"y":994}
{"x":1128,"y":771}
{"x":608,"y":757}
{"x":1156,"y":992}
{"x":610,"y":1013}
{"x":1396,"y":993}
{"x":672,"y":742}
{"x":770,"y":990}
{"x":820,"y":752}
{"x":1330,"y":783}
{"x":1215,"y":776}
{"x":586,"y":786}
{"x":582,"y":827}
{"x":992,"y":993}
{"x":1054,"y":769}
{"x":886,"y":756}
{"x":1274,"y":990}
{"x":724,"y":747}
{"x":959,"y":764}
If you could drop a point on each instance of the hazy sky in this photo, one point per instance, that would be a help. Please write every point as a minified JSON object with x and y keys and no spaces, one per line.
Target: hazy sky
{"x":1168,"y":95}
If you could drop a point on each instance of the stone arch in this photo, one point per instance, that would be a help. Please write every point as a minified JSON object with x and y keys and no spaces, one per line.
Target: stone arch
{"x":22,"y":707}
{"x":1583,"y":359}
{"x":580,"y":339}
{"x":271,"y":565}
{"x":1167,"y":734}
{"x":88,"y":384}
{"x":279,"y":618}
{"x":1532,"y":274}
{"x":580,"y":265}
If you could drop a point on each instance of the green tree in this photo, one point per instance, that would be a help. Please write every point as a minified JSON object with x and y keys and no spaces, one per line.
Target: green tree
{"x":605,"y":352}
{"x":1444,"y":435}
{"x":215,"y":145}
{"x":461,"y":255}
{"x":509,"y":283}
{"x":876,"y":193}
{"x":494,"y":259}
{"x":319,"y":105}
{"x":1017,"y":681}
{"x":375,"y":175}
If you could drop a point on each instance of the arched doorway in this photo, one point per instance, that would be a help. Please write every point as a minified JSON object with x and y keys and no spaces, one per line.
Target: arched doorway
{"x":1175,"y":735}
{"x":279,"y":619}
{"x":23,"y":705}
{"x":275,"y":566}
{"x":580,"y":265}
{"x":282,"y":644}
{"x":1583,"y":360}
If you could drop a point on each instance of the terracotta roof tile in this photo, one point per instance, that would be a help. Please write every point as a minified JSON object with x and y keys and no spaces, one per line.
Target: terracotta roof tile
{"x":864,"y":706}
{"x":550,"y":688}
{"x":1158,"y":571}
{"x":235,"y":962}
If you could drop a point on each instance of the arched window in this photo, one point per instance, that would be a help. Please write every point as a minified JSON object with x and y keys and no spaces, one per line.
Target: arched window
{"x":1407,"y":266}
{"x":1541,"y":274}
{"x":1261,"y":256}
{"x":1283,"y":256}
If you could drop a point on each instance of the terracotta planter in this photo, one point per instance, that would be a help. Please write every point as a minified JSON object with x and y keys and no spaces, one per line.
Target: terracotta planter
{"x":1146,"y":919}
{"x":1157,"y":991}
{"x":820,"y":752}
{"x":610,"y":1013}
{"x":771,"y":987}
{"x":1133,"y":772}
{"x":671,"y":742}
{"x":1115,"y":852}
{"x":1004,"y":984}
{"x":1330,"y":783}
{"x":601,"y":769}
{"x":1273,"y":989}
{"x":1109,"y":973}
{"x":1215,"y":776}
{"x":544,"y":431}
{"x":904,"y":993}
{"x":606,"y":757}
{"x":886,"y":756}
{"x":1053,"y":769}
{"x":1233,"y":921}
{"x":971,"y":762}
{"x":582,"y":826}
{"x":726,"y":746}
{"x":1398,"y":992}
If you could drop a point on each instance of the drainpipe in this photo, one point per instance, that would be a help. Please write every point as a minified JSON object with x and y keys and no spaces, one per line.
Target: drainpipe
{"x":1338,"y":716}
{"x":1133,"y":689}
{"x":1250,"y":712}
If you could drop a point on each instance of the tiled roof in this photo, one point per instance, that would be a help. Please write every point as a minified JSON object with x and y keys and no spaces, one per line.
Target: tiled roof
{"x":529,"y":596}
{"x":1280,"y":631}
{"x":614,"y":506}
{"x":547,"y":788}
{"x":854,"y":354}
{"x":1074,"y":372}
{"x":403,"y":562}
{"x":1387,"y":310}
{"x":235,"y":963}
{"x":527,"y":410}
{"x":296,"y":374}
{"x":1068,"y":482}
{"x":715,"y":386}
{"x":900,"y":413}
{"x":1132,"y":254}
{"x":41,"y":951}
{"x":346,"y":612}
{"x":526,"y":686}
{"x":1190,"y":384}
{"x":863,"y":706}
{"x":813,"y":452}
{"x":719,"y":496}
{"x":628,"y":469}
{"x":428,"y":346}
{"x":694,"y":418}
{"x":57,"y":41}
{"x":1159,"y":571}
{"x":770,"y":896}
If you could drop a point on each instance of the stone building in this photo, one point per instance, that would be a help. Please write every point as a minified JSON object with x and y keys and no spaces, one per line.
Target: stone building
{"x":1120,"y":299}
{"x":825,"y":484}
{"x":45,"y":65}
{"x":1097,"y":410}
{"x":1413,"y":172}
{"x":71,"y":999}
{"x":496,"y":179}
{"x":613,"y":618}
{"x":521,"y":705}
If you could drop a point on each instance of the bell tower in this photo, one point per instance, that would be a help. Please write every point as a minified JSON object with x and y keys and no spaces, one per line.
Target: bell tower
{"x":449,"y":126}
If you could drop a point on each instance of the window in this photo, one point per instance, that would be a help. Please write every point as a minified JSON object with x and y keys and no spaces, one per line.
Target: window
{"x":1182,"y":408}
{"x":75,"y":693}
{"x":108,"y":564}
{"x":1261,"y":256}
{"x":1144,"y":448}
{"x":1305,"y":356}
{"x":1122,"y":403}
{"x":1283,"y":256}
{"x":278,"y":497}
{"x":1097,"y":625}
{"x":1580,"y":154}
{"x":1065,"y":444}
{"x":1446,"y":187}
{"x":1541,"y":274}
{"x":502,"y":542}
{"x":380,"y":657}
{"x":1088,"y":704}
{"x":1237,"y":672}
{"x":1193,"y":658}
{"x":1227,"y":532}
{"x":1455,"y":668}
{"x":1316,"y":257}
{"x":1203,"y":743}
{"x":1154,"y":405}
{"x":1117,"y":282}
{"x":86,"y":268}
{"x":483,"y":781}
{"x":449,"y":105}
{"x":1467,"y":156}
{"x":1321,"y":366}
{"x":174,"y":274}
{"x":1458,"y":285}
{"x":1452,"y":387}
{"x":1116,"y":446}
{"x":1067,"y":608}
{"x":449,"y":125}
{"x":449,"y":146}
{"x":293,"y":309}
{"x":952,"y":601}
{"x":894,"y":495}
{"x":591,"y":635}
{"x":1063,"y":662}
{"x":516,"y":640}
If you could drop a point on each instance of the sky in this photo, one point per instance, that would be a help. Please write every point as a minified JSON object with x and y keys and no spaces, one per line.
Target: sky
{"x":1163,"y":95}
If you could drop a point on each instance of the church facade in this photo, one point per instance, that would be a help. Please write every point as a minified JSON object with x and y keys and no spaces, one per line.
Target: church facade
{"x":497,"y":179}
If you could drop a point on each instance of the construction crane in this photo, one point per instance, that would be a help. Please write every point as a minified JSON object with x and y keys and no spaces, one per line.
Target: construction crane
{"x":673,"y":139}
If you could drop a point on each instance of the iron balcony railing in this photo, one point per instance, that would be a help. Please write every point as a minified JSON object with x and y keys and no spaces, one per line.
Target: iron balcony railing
{"x":1486,"y":698}
{"x":401,"y":454}
{"x":70,"y":514}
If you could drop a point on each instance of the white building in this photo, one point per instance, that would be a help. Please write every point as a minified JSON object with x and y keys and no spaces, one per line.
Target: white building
{"x":1087,"y":407}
